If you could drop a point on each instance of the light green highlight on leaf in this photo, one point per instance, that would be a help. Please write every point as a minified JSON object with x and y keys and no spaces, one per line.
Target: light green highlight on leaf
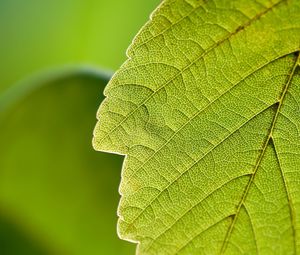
{"x":206,"y":110}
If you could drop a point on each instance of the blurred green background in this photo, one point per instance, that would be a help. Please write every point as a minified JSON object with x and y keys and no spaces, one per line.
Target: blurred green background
{"x":57,"y":195}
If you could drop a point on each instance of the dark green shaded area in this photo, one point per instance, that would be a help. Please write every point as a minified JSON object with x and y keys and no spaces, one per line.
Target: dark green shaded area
{"x":55,"y":189}
{"x":14,"y":242}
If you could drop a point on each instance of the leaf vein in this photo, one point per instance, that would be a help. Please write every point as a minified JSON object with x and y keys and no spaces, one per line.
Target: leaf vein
{"x":291,"y":208}
{"x":261,"y":156}
{"x":196,"y":162}
{"x":212,"y":47}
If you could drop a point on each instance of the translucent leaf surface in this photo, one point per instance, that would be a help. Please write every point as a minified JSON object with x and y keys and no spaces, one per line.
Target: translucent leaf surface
{"x":206,"y":110}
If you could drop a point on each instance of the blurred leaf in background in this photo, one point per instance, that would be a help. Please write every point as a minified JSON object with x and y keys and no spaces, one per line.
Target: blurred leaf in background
{"x":37,"y":34}
{"x":57,"y":195}
{"x":14,"y":242}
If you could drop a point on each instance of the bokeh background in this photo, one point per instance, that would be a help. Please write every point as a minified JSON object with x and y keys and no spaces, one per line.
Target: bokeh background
{"x":57,"y":195}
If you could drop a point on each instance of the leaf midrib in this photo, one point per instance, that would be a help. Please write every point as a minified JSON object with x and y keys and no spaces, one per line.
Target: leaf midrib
{"x":224,"y":245}
{"x":223,"y":184}
{"x":260,"y":158}
{"x":209,"y":151}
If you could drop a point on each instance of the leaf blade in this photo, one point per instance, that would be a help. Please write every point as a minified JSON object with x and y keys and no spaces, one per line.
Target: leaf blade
{"x":174,"y":117}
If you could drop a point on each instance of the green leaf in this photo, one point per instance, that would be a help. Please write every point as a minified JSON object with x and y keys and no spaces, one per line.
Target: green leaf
{"x":206,"y":110}
{"x":14,"y":241}
{"x":55,"y":190}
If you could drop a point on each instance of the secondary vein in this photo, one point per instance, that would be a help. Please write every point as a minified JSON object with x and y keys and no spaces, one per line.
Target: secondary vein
{"x":240,"y":28}
{"x":291,"y":208}
{"x":261,"y":156}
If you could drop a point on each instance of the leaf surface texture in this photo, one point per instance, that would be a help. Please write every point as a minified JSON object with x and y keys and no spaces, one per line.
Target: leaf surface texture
{"x":207,"y":111}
